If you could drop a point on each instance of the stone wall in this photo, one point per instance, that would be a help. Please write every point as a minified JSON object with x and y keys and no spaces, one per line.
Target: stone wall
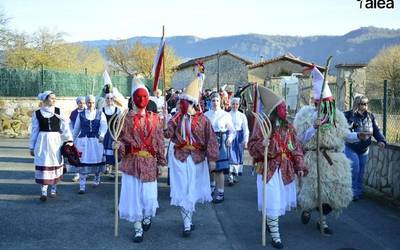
{"x":261,"y":74}
{"x":383,"y":170}
{"x":231,"y":71}
{"x":16,"y":114}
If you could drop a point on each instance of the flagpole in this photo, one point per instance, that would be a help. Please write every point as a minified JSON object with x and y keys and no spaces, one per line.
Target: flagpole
{"x":163,"y":64}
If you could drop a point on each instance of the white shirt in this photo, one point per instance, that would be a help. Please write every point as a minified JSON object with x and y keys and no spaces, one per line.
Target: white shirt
{"x":240,"y":123}
{"x":48,"y":112}
{"x":221,"y":121}
{"x":91,"y":115}
{"x":109,"y":110}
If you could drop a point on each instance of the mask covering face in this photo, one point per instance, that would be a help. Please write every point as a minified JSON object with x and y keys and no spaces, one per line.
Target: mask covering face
{"x":184,"y":106}
{"x":141,"y":98}
{"x":281,"y":111}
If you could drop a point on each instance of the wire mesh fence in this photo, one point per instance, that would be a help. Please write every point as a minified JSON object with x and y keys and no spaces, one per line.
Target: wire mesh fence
{"x":24,"y":83}
{"x":386,"y":109}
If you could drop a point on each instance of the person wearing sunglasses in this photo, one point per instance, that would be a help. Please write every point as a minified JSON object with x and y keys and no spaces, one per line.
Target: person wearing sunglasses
{"x":361,"y":120}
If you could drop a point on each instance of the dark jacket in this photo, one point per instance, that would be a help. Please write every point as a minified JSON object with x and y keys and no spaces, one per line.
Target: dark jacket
{"x":362,"y":122}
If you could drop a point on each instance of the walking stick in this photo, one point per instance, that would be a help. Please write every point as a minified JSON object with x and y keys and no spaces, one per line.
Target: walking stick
{"x":115,"y":125}
{"x":318,"y":135}
{"x":265,"y":125}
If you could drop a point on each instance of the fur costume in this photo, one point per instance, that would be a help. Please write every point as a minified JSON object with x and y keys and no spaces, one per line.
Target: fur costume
{"x":336,"y":178}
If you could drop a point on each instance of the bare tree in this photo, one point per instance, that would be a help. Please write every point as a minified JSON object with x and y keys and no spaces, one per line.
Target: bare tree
{"x":138,"y":59}
{"x":385,"y":66}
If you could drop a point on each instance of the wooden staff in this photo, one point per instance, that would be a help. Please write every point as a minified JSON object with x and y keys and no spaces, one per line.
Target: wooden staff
{"x":115,"y":125}
{"x":266,"y":128}
{"x":318,"y":135}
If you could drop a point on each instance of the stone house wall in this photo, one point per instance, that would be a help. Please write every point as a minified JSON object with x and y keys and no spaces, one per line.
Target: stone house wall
{"x":232,"y":72}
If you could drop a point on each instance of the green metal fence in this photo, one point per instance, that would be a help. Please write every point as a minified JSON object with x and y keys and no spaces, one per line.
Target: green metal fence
{"x":26,"y":83}
{"x":386,"y":109}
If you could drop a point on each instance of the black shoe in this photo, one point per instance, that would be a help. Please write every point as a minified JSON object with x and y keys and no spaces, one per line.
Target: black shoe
{"x":43,"y":198}
{"x":219,"y":198}
{"x":138,"y":239}
{"x":187,"y":232}
{"x":240,"y":174}
{"x":356,"y":198}
{"x":81,"y":192}
{"x":138,"y":236}
{"x":305,"y":217}
{"x":326,"y":231}
{"x":146,"y":226}
{"x":277,"y":244}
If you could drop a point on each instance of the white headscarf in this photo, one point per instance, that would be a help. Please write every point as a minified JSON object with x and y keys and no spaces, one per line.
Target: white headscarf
{"x":44,"y":95}
{"x":90,"y":98}
{"x":235,"y":100}
{"x":80,"y":99}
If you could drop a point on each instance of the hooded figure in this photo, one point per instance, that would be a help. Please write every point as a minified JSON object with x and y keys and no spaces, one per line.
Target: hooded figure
{"x":141,"y":149}
{"x":195,"y":151}
{"x":335,"y":169}
{"x":285,"y":161}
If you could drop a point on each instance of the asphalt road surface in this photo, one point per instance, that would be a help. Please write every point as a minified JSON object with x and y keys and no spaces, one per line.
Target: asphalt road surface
{"x":73,"y":221}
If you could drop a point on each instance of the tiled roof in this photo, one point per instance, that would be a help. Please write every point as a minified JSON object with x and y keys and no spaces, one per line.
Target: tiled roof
{"x":192,"y":62}
{"x":287,"y":57}
{"x":352,"y":65}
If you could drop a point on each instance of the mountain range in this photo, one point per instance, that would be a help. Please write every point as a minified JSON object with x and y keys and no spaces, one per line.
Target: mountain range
{"x":357,"y":46}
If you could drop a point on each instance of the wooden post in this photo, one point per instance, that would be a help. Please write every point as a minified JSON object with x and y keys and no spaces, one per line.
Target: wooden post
{"x":318,"y":153}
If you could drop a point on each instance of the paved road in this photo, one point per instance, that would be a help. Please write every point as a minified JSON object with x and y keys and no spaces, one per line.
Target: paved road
{"x":73,"y":221}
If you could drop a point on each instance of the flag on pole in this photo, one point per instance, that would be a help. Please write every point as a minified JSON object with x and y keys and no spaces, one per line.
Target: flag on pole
{"x":200,"y":74}
{"x":158,"y":61}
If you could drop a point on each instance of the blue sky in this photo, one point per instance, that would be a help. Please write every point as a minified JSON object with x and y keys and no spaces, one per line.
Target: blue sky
{"x":117,"y":19}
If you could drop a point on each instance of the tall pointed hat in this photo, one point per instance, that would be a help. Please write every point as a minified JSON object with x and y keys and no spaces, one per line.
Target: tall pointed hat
{"x":137,"y":83}
{"x":317,"y":83}
{"x":269,"y":99}
{"x":328,"y":104}
{"x":192,"y":91}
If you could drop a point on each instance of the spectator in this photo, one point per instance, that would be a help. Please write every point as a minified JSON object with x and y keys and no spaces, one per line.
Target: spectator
{"x":361,"y":120}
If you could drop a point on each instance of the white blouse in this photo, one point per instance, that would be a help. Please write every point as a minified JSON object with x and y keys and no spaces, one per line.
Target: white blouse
{"x":240,"y":123}
{"x":111,"y":109}
{"x":91,"y":115}
{"x":48,"y":112}
{"x":221,"y":121}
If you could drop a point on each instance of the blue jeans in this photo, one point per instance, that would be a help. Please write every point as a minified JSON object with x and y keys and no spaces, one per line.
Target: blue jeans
{"x":357,"y":169}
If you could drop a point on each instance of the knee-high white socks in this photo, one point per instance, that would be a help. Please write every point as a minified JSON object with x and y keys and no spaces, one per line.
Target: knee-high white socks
{"x":97,"y":179}
{"x":137,"y":225}
{"x":187,"y":218}
{"x":273,"y":225}
{"x":82,"y":182}
{"x":45,"y":187}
